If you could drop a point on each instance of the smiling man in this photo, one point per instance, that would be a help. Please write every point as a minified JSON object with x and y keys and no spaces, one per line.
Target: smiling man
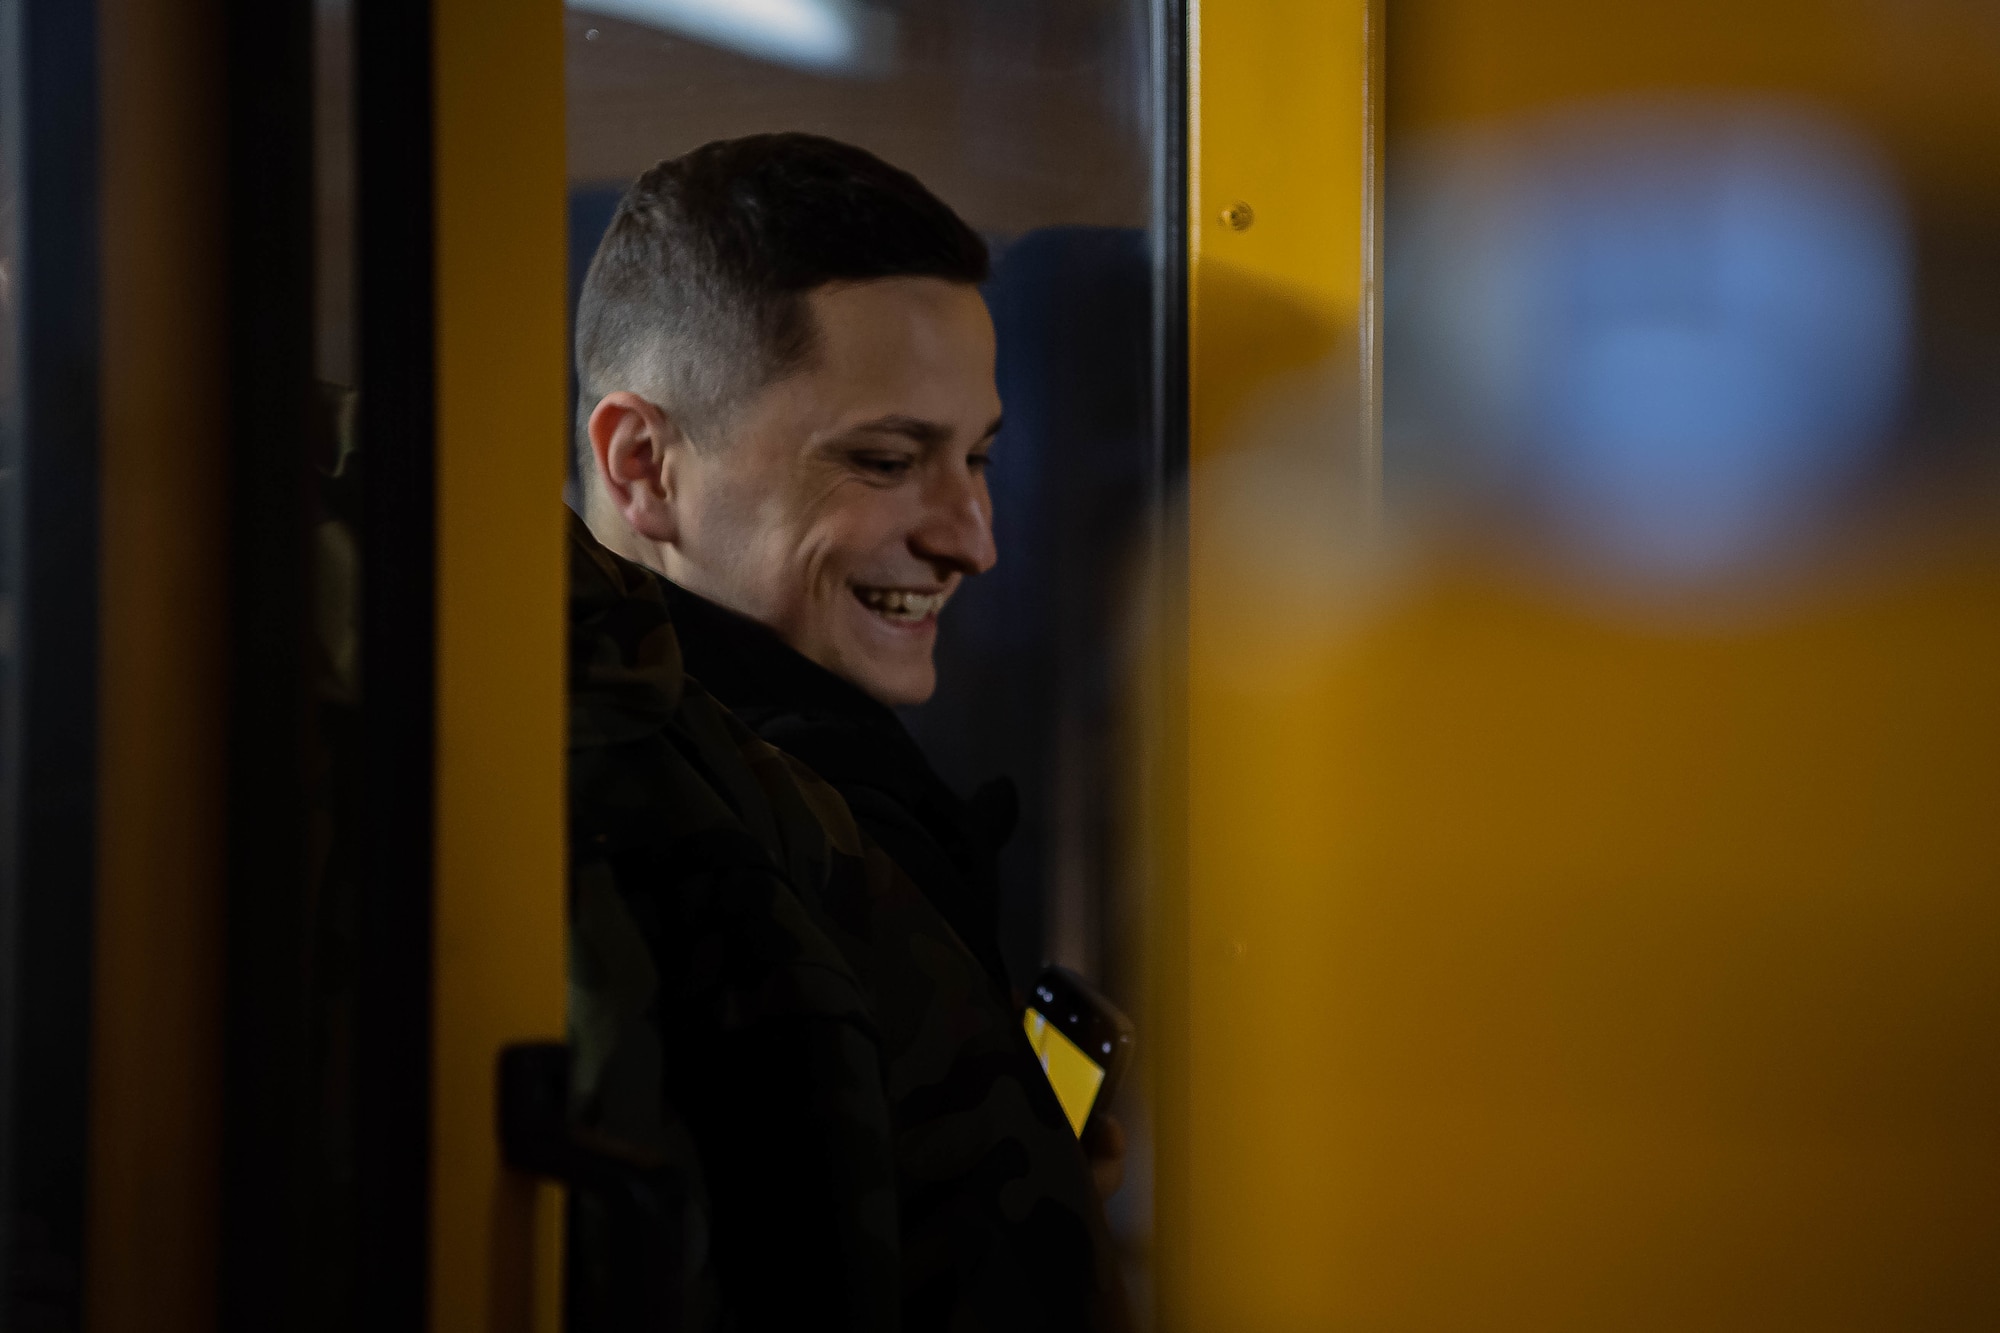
{"x":787,"y":406}
{"x":842,"y":503}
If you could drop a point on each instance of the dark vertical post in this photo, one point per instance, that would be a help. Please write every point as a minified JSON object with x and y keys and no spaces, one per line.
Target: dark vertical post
{"x":1163,"y":673}
{"x":395,"y":262}
{"x":47,"y":857}
{"x":1170,"y":256}
{"x":267,"y":1111}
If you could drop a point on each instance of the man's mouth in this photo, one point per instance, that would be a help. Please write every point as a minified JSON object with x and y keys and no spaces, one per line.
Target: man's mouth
{"x":903,"y":606}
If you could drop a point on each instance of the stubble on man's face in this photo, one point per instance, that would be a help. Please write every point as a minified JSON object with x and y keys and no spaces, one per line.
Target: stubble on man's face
{"x":849,"y":501}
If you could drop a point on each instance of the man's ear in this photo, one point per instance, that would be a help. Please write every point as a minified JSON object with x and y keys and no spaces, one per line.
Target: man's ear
{"x":638,"y":447}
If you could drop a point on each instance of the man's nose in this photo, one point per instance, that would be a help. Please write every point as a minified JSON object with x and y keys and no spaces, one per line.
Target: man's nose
{"x":957,"y":527}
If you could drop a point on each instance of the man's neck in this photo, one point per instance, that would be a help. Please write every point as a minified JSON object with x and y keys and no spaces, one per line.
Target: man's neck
{"x":749,"y":666}
{"x":615,"y":535}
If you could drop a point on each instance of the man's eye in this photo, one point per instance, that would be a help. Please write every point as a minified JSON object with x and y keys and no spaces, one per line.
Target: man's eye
{"x":883,"y":465}
{"x":979,"y":462}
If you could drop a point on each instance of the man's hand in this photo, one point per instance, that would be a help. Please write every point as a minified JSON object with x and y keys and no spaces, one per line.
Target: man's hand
{"x":1104,"y":1145}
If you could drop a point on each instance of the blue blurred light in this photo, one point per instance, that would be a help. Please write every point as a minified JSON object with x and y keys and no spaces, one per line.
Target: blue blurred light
{"x":1679,"y":328}
{"x":829,"y":36}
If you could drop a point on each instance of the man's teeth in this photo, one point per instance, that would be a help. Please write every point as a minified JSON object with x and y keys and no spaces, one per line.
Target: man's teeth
{"x":902,"y":604}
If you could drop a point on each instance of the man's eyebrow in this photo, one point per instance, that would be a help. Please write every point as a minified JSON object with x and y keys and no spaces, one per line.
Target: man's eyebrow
{"x":926,"y":434}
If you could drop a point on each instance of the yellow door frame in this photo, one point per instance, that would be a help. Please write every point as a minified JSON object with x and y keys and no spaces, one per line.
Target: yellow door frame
{"x":499,"y":961}
{"x":499,"y":867}
{"x":1283,"y":282}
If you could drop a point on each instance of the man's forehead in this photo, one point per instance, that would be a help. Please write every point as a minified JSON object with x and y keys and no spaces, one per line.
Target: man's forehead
{"x":914,"y":362}
{"x":929,"y":313}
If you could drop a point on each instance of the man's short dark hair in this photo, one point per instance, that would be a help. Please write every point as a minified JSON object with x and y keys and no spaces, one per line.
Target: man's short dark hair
{"x":697,"y":295}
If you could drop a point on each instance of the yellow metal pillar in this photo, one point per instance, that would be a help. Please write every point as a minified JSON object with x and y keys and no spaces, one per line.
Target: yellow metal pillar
{"x":501,"y":420}
{"x":1281,"y":135}
{"x":1282,"y":368}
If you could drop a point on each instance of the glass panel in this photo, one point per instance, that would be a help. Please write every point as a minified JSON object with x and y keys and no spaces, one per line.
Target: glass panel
{"x":350,"y":1065}
{"x":295,"y":966}
{"x":1035,"y":120}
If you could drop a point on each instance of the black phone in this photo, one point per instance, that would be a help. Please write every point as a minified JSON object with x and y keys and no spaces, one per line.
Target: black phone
{"x":1082,"y":1039}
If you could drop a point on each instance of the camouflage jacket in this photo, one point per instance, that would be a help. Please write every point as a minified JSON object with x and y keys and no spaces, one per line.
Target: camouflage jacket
{"x":721,"y":1045}
{"x":832,"y":969}
{"x":949,"y":846}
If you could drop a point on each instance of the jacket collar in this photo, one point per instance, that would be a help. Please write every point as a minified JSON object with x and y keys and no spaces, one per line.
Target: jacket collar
{"x":623,"y":650}
{"x":744,"y":663}
{"x":853,"y":741}
{"x":758,"y":676}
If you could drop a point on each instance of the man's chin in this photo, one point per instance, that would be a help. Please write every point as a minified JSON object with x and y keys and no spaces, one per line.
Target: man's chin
{"x":899,"y":685}
{"x":890,"y":661}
